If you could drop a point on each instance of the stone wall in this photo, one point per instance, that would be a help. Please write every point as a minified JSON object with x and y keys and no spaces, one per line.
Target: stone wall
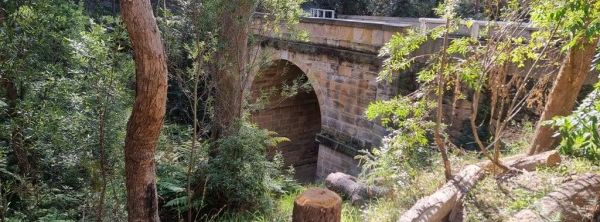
{"x":341,"y":62}
{"x":344,"y":85}
{"x":331,"y":161}
{"x":365,"y":36}
{"x":297,"y":118}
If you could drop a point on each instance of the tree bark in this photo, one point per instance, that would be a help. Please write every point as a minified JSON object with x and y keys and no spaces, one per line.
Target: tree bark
{"x":17,"y":137}
{"x":441,"y":85}
{"x":448,"y":199}
{"x":562,"y":97}
{"x":317,"y":205}
{"x":439,"y":205}
{"x":231,"y":64}
{"x":351,"y":188}
{"x":530,"y":163}
{"x":567,"y":203}
{"x":148,"y":111}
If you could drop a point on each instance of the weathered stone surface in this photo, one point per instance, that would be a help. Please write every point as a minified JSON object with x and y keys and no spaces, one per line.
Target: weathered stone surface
{"x":341,"y":62}
{"x":298,"y":117}
{"x":342,"y":91}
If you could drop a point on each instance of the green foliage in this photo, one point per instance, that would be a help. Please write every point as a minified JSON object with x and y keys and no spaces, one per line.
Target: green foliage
{"x":573,"y":19}
{"x":408,"y":118}
{"x":406,"y":148}
{"x":286,"y":13}
{"x":240,"y":178}
{"x":398,"y":49}
{"x":459,"y":62}
{"x":71,"y":75}
{"x":238,"y":174}
{"x":282,"y":211}
{"x":241,"y":175}
{"x":357,"y":7}
{"x":403,"y":8}
{"x":579,"y":131}
{"x":288,"y":89}
{"x":524,"y":199}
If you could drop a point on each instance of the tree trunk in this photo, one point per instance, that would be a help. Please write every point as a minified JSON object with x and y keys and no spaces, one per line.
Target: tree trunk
{"x":562,"y":98}
{"x":317,"y":205}
{"x":231,"y":64}
{"x":439,"y":205}
{"x":567,"y":203}
{"x":148,"y":111}
{"x":441,"y":85}
{"x":351,"y":188}
{"x":448,"y":199}
{"x":530,"y":163}
{"x":17,"y":137}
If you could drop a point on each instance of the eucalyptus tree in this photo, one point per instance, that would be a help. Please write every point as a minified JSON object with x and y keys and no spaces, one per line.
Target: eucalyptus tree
{"x":146,"y":119}
{"x":212,"y":55}
{"x":577,"y":23}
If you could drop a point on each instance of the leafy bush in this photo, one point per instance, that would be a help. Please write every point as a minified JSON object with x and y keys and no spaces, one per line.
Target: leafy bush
{"x":241,"y":175}
{"x":407,"y":146}
{"x":72,"y":109}
{"x":579,"y":131}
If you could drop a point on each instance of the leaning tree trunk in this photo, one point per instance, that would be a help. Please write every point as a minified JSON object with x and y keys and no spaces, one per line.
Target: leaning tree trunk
{"x":447,"y":201}
{"x":570,"y":202}
{"x":438,"y":206}
{"x":562,"y":98}
{"x":148,"y":111}
{"x":231,"y":64}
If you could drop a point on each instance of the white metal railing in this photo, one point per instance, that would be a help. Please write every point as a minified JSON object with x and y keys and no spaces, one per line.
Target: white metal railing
{"x":476,"y":26}
{"x":322,"y":13}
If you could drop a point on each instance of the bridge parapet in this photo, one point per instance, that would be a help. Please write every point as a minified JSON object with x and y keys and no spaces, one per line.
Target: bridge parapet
{"x":362,"y":36}
{"x":340,"y":60}
{"x":369,"y":33}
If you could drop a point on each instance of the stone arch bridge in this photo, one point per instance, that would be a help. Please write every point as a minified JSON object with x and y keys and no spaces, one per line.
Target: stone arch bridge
{"x":327,"y":126}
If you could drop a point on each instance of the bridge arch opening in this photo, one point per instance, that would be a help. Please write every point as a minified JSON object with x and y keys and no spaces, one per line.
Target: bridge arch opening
{"x":287,"y":104}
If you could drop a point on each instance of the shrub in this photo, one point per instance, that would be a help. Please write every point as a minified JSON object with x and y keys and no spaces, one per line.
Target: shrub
{"x":241,"y":174}
{"x":579,"y":131}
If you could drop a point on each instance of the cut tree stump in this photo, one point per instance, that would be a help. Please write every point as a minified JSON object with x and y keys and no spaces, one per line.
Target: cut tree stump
{"x":348,"y":186}
{"x":317,"y":205}
{"x":447,"y":201}
{"x":575,"y":200}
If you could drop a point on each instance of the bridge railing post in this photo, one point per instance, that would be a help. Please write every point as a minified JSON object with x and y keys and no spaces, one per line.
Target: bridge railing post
{"x":322,"y":13}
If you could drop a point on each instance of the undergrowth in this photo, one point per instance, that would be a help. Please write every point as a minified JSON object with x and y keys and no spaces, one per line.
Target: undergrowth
{"x":496,"y":198}
{"x":282,"y":211}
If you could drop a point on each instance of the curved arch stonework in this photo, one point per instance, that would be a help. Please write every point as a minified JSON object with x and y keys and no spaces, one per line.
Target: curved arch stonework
{"x":340,"y":57}
{"x":344,"y":86}
{"x":296,"y":117}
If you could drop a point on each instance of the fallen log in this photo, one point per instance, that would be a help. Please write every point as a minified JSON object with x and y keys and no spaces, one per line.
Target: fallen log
{"x":529,"y":163}
{"x":448,"y":199}
{"x":570,"y":202}
{"x":349,"y":187}
{"x":317,"y":205}
{"x":438,"y":205}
